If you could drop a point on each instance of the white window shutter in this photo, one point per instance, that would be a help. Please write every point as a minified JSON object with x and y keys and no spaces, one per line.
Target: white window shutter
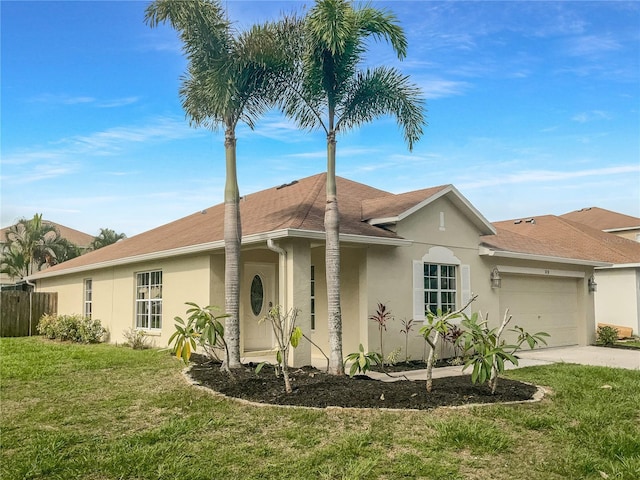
{"x":418,"y":291}
{"x":465,"y":287}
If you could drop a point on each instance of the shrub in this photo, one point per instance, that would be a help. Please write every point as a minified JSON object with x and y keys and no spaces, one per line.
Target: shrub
{"x":607,"y":335}
{"x":74,"y":328}
{"x":46,"y":326}
{"x":136,"y":339}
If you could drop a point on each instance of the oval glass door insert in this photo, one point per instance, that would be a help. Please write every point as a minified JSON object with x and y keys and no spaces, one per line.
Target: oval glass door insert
{"x":257,"y":295}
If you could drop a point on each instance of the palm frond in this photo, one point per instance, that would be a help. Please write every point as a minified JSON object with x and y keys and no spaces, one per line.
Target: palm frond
{"x":385,"y":91}
{"x":382,"y":25}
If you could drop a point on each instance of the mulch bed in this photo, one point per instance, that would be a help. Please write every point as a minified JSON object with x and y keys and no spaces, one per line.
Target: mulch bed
{"x":314,"y":388}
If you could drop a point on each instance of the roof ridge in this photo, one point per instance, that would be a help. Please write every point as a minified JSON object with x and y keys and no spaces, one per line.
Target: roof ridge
{"x":302,"y":212}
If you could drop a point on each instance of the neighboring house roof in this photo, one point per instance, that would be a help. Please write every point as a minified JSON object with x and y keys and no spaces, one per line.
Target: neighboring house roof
{"x":556,"y":237}
{"x":76,"y":237}
{"x":603,"y":219}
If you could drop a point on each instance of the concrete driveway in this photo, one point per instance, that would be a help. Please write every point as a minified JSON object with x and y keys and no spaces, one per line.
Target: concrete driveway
{"x":589,"y":355}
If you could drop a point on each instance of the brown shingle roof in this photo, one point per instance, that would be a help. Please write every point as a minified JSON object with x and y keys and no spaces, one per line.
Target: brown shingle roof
{"x":392,"y":205}
{"x":299,"y":205}
{"x":554,"y":236}
{"x":602,"y":219}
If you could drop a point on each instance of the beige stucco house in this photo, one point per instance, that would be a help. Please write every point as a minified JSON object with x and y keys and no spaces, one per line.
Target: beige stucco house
{"x":617,"y":300}
{"x":414,"y":252}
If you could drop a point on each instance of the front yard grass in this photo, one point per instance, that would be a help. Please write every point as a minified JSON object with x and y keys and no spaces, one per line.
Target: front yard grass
{"x":108,"y":412}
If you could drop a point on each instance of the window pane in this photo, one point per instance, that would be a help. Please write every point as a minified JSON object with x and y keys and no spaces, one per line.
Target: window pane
{"x":257,"y":295}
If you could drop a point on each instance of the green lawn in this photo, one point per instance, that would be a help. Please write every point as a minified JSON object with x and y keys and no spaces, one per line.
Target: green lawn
{"x":108,"y":412}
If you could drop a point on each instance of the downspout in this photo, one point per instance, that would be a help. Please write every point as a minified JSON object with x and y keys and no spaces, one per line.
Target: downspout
{"x":282,"y":270}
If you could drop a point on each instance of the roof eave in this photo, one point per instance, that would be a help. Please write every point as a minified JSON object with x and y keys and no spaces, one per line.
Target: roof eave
{"x":219,"y":244}
{"x":489,"y":252}
{"x":619,"y":265}
{"x":620,"y":229}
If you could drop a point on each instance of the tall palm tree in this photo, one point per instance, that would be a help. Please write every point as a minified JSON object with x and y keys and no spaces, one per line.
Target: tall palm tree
{"x":106,"y":237}
{"x":327,"y":90}
{"x":225,"y":83}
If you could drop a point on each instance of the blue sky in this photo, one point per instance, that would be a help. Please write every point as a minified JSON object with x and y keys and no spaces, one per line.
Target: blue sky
{"x":533,"y":108}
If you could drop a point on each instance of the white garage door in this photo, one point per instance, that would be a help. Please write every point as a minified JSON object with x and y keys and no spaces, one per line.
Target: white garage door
{"x":542,"y":304}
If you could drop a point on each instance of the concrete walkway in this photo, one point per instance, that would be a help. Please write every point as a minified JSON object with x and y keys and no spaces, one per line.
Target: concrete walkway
{"x":597,"y":356}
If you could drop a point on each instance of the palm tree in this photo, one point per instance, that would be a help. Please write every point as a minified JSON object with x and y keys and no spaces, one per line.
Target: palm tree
{"x":13,"y":262}
{"x":326,"y":90}
{"x":31,"y":244}
{"x":106,"y":237}
{"x":225,"y":84}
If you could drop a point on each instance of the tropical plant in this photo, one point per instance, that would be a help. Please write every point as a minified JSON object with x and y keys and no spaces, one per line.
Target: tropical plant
{"x":323,"y":88}
{"x":202,"y":327}
{"x":487,"y":352}
{"x":287,"y":335}
{"x":438,"y":324}
{"x":407,"y":327}
{"x":606,"y":335}
{"x":106,"y":237}
{"x":226,"y":83}
{"x":32,"y":243}
{"x":361,"y":361}
{"x":381,"y":316}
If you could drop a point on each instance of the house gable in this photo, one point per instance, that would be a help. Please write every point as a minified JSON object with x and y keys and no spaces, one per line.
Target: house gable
{"x":395,"y":208}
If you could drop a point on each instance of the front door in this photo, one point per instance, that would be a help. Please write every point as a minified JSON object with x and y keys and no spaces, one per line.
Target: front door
{"x":258,"y":296}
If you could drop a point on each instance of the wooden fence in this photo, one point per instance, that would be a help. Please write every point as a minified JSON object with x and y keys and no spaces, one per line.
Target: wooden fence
{"x":20,"y":312}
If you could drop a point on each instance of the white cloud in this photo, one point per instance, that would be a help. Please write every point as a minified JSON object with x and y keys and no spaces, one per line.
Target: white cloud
{"x":538,"y":176}
{"x":591,"y":116}
{"x":59,"y":158}
{"x":118,"y":102}
{"x":592,"y":45}
{"x":62,"y":99}
{"x":440,"y":88}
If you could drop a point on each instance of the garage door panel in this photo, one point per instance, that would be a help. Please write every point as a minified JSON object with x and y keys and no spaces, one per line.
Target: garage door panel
{"x":542,"y":304}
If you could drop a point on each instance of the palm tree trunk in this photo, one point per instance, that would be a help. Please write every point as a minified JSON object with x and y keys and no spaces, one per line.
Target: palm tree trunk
{"x":332,"y":259}
{"x":232,"y":239}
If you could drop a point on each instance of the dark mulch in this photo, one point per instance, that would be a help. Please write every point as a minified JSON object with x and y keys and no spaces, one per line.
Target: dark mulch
{"x":314,"y":388}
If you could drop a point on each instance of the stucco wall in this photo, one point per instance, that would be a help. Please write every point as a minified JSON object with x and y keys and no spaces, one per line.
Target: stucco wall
{"x":618,"y":297}
{"x":390,"y":279}
{"x":185,"y":279}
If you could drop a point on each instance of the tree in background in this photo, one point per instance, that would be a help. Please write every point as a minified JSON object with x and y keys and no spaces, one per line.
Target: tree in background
{"x":325,"y":89}
{"x":32,"y":244}
{"x":226,"y":83}
{"x":106,"y":237}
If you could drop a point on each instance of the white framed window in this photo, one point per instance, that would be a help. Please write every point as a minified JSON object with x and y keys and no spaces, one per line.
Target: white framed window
{"x":87,"y":308}
{"x":439,"y":288}
{"x":313,"y":297}
{"x":440,"y":281}
{"x":149,"y":300}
